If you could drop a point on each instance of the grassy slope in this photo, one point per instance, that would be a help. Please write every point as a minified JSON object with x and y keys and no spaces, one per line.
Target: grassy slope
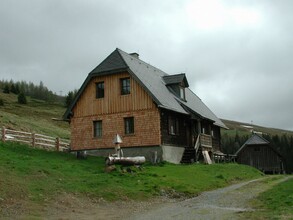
{"x":236,"y":126}
{"x":276,"y":203}
{"x":38,"y":176}
{"x":36,"y":116}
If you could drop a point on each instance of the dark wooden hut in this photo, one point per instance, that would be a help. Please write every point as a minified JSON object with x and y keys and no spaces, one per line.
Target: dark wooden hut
{"x":257,"y":152}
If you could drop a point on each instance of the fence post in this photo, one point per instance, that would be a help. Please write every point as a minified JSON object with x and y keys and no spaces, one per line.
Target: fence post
{"x":3,"y":134}
{"x":33,"y":139}
{"x":57,"y":143}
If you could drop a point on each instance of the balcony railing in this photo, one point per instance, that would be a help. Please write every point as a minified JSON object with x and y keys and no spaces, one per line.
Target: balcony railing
{"x":209,"y":141}
{"x":206,"y":140}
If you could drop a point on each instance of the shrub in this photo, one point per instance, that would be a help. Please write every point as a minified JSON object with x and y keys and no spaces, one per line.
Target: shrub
{"x":1,"y":102}
{"x":21,"y":98}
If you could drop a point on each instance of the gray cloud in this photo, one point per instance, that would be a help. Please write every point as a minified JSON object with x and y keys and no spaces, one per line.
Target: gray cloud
{"x":240,"y":70}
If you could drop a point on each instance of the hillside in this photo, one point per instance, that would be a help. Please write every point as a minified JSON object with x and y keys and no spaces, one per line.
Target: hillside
{"x":35,"y":116}
{"x":238,"y":126}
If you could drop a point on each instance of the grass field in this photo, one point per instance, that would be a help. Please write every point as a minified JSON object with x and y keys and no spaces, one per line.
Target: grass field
{"x":276,"y":203}
{"x":39,"y":176}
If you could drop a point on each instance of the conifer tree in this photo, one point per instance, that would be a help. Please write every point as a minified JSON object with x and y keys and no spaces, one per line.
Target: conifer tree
{"x":6,"y":89}
{"x":22,"y":98}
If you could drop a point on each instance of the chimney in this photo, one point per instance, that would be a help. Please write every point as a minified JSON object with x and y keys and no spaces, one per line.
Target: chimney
{"x":136,"y":55}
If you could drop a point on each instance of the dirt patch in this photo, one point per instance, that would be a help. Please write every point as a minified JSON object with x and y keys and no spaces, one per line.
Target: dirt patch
{"x":73,"y":206}
{"x":225,"y":203}
{"x":70,"y":206}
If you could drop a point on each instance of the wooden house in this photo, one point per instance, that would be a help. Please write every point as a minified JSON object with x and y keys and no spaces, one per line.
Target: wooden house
{"x":257,"y":152}
{"x":155,"y":113}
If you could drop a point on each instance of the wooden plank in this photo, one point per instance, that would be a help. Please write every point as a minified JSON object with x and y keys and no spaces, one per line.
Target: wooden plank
{"x":17,"y":132}
{"x":46,"y":140}
{"x":206,"y":157}
{"x":44,"y":136}
{"x":113,"y":101}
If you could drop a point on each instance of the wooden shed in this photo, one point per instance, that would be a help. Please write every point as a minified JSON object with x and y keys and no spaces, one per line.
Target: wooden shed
{"x":257,"y":152}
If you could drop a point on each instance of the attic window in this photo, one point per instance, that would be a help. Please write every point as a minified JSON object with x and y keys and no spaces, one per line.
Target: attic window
{"x":182,"y":92}
{"x":125,"y":86}
{"x":100,"y":90}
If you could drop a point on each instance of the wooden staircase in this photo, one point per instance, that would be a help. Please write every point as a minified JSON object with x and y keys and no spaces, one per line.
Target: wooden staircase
{"x":188,"y":155}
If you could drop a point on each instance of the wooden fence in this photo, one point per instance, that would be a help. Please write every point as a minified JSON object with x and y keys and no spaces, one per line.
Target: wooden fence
{"x":35,"y":140}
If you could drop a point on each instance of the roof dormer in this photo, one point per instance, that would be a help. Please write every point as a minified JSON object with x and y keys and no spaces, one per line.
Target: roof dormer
{"x":177,"y":84}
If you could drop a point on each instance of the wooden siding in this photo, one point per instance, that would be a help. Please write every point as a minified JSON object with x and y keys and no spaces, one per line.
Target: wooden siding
{"x":261,"y":157}
{"x":113,"y":101}
{"x":146,"y":130}
{"x":179,"y":140}
{"x":111,"y":110}
{"x":216,"y":138}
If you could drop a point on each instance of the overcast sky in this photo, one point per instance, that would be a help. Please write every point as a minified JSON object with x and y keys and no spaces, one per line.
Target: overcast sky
{"x":237,"y":55}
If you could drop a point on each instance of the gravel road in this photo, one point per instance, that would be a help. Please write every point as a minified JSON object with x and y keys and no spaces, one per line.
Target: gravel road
{"x":224,"y":203}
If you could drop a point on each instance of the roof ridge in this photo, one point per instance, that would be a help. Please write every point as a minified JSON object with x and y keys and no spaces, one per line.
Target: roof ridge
{"x":144,"y":62}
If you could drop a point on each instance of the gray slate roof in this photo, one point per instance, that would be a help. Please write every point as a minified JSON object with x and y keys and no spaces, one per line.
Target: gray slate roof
{"x":175,"y":79}
{"x":152,"y":80}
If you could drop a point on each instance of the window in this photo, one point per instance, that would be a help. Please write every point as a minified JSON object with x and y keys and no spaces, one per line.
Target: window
{"x":129,"y":125}
{"x":182,"y":93}
{"x":98,"y":129}
{"x":125,"y":86}
{"x":100,"y":90}
{"x":173,"y":126}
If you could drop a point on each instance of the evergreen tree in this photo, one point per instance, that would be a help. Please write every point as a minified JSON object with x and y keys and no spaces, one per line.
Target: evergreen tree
{"x":17,"y":89}
{"x":6,"y":89}
{"x":22,"y":98}
{"x":12,"y":88}
{"x":29,"y":89}
{"x":69,"y":98}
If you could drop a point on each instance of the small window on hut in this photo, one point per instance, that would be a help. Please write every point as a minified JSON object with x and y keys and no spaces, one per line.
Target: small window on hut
{"x":129,"y":125}
{"x":98,"y":129}
{"x":125,"y":86}
{"x":173,"y":125}
{"x":100,"y":90}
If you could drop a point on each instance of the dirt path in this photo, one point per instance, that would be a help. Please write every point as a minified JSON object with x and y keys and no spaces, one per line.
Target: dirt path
{"x":223,"y":203}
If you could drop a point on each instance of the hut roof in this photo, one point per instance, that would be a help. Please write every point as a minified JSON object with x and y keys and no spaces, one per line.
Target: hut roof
{"x":255,"y":139}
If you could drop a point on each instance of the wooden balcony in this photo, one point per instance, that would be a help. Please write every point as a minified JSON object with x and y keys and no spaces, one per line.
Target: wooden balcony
{"x":209,"y":141}
{"x":206,"y":140}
